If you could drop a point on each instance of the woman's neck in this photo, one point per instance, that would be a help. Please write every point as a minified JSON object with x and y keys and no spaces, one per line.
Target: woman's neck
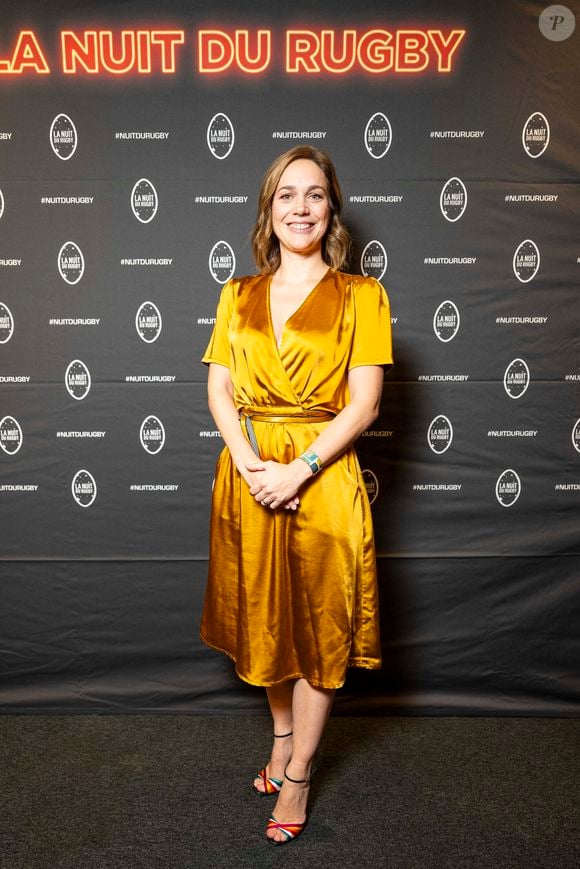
{"x":297,"y":268}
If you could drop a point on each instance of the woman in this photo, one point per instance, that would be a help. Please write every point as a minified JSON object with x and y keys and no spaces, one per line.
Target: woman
{"x":296,"y":355}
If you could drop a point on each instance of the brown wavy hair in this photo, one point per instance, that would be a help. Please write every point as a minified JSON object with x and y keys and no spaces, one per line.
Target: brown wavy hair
{"x":336,"y":243}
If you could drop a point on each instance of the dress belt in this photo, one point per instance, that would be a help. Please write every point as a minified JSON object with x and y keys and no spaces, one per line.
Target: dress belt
{"x":276,"y":416}
{"x":264,"y":416}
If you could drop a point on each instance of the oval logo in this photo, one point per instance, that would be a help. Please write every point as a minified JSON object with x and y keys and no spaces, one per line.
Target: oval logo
{"x":222,"y":262}
{"x":1,"y":203}
{"x":440,"y":434}
{"x":516,"y":378}
{"x":10,"y":435}
{"x":71,"y":263}
{"x":77,"y":379}
{"x":378,"y":135}
{"x":526,"y":261}
{"x":576,"y":436}
{"x":371,"y":484}
{"x":84,"y":488}
{"x":453,"y":199}
{"x":508,"y":488}
{"x":63,"y":137}
{"x":152,"y":435}
{"x":373,"y":262}
{"x":144,"y":200}
{"x":536,"y":135}
{"x":220,"y":136}
{"x":148,"y":322}
{"x":446,"y":321}
{"x":6,"y":323}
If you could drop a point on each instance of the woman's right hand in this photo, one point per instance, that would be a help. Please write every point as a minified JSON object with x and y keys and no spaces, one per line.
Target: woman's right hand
{"x":276,"y":484}
{"x":249,"y":478}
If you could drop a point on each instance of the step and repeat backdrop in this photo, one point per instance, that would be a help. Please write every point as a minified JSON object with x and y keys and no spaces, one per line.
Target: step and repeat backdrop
{"x":132,"y":143}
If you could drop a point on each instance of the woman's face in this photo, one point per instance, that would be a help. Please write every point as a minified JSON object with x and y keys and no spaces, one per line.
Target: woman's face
{"x":301,"y":207}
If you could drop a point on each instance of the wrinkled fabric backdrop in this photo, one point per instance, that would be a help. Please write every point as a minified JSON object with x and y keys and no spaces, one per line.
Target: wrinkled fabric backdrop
{"x":128,"y":177}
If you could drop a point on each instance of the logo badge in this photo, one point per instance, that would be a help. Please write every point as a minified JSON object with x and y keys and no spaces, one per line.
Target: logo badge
{"x":373,"y":262}
{"x":220,"y":136}
{"x":144,"y":200}
{"x":440,"y":434}
{"x":378,"y":135}
{"x":77,"y":380}
{"x":6,"y":323}
{"x":446,"y":321}
{"x":10,"y":435}
{"x":84,"y":488}
{"x":148,"y":322}
{"x":222,"y":262}
{"x":152,"y":435}
{"x":557,"y":23}
{"x":63,"y":137}
{"x":453,"y":199}
{"x":508,"y":488}
{"x":526,"y":261}
{"x":372,"y":485}
{"x":516,"y":378}
{"x":71,"y":263}
{"x":576,"y":436}
{"x":1,"y":203}
{"x":536,"y":135}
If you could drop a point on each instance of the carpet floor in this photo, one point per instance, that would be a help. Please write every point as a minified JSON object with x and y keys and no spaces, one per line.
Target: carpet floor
{"x":173,"y":792}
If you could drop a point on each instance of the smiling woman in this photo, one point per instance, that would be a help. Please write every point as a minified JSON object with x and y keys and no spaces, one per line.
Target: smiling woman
{"x":300,"y":210}
{"x":297,"y":354}
{"x":300,"y":217}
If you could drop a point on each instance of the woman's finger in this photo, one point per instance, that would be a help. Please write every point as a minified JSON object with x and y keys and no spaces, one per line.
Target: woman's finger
{"x":255,"y":466}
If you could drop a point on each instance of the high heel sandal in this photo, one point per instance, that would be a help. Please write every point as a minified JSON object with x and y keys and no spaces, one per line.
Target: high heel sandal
{"x":271,"y":785}
{"x":290,"y":829}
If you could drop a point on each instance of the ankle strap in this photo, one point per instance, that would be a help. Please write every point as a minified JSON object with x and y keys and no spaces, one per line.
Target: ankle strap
{"x":298,"y":781}
{"x":282,"y":735}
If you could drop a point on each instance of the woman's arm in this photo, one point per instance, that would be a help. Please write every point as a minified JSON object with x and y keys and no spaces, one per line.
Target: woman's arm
{"x":365,"y":384}
{"x":220,"y":395}
{"x":275,"y":483}
{"x":220,"y":391}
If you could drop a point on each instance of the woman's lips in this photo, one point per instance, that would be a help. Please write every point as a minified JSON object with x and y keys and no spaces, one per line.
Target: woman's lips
{"x":300,"y":227}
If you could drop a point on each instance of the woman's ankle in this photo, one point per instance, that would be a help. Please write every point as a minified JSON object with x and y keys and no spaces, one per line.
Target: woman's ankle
{"x":298,"y":771}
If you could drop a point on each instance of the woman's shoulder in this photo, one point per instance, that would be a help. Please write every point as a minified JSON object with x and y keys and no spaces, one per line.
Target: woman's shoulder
{"x":358,"y":283}
{"x":243,"y":284}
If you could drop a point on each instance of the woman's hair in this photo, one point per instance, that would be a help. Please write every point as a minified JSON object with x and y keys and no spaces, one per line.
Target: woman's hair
{"x":336,"y":243}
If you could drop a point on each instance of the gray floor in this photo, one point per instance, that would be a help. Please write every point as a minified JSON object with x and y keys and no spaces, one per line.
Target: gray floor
{"x":173,"y":792}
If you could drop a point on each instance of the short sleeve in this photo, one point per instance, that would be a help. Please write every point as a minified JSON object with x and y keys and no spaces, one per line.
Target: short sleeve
{"x":372,"y":340}
{"x":218,"y":349}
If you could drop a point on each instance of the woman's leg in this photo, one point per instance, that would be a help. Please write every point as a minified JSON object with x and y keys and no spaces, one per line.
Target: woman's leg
{"x":310,"y":710}
{"x":280,"y":700}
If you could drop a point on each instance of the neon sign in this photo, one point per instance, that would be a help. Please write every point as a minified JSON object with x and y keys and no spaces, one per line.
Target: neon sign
{"x":302,"y":52}
{"x":375,"y":51}
{"x":26,"y":56}
{"x":96,"y":51}
{"x":218,"y":51}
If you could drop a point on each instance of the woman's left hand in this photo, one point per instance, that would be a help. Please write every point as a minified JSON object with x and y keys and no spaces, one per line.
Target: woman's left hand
{"x":275,"y":484}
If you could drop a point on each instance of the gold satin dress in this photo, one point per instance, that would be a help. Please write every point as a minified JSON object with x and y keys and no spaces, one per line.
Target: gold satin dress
{"x":294,"y":594}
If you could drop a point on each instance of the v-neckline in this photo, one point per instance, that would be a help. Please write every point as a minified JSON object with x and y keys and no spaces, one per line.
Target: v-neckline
{"x":278,"y":344}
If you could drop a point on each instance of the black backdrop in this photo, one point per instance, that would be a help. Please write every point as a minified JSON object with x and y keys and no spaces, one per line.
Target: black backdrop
{"x":125,"y":199}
